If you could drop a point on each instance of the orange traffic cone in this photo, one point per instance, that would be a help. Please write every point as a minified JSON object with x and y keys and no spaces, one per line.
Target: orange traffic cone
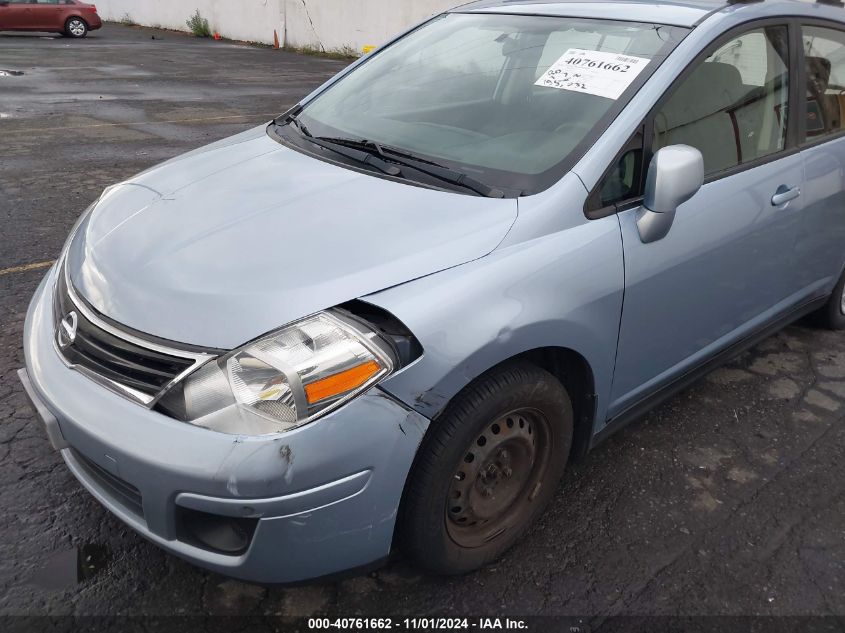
{"x":217,"y":35}
{"x":276,"y":44}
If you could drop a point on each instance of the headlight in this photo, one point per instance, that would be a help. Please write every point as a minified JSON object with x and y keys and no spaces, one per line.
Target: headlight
{"x":284,"y":380}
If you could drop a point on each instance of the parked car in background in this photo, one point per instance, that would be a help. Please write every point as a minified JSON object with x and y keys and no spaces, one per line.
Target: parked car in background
{"x":68,"y":17}
{"x":395,"y":314}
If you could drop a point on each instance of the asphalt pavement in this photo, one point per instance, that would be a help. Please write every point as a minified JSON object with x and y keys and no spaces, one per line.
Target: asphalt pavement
{"x":727,"y":500}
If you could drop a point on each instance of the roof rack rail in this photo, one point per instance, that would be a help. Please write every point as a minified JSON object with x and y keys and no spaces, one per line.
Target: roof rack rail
{"x":833,"y":3}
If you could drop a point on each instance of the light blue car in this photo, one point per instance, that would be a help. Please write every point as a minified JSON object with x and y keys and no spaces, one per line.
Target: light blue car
{"x":393,"y":315}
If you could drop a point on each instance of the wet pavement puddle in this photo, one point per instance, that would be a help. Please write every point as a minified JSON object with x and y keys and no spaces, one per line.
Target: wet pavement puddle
{"x":68,"y":568}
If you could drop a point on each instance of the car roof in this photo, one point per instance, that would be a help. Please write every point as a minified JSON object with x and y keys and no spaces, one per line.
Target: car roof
{"x":687,"y":13}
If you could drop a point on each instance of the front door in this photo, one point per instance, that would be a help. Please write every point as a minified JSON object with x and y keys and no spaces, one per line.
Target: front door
{"x":727,"y":265}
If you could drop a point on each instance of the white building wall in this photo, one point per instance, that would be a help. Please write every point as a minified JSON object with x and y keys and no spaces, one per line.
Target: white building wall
{"x":324,"y":24}
{"x":333,"y":24}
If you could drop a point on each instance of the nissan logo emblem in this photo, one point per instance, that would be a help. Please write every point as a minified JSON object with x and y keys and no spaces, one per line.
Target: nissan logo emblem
{"x":67,"y":330}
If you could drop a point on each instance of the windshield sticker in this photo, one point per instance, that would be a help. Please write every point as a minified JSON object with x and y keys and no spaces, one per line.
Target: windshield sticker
{"x":593,"y":72}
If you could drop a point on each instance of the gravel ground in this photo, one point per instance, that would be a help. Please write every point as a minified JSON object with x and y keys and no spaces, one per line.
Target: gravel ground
{"x":727,"y":500}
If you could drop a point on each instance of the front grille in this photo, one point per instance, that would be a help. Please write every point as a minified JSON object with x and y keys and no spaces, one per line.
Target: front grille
{"x":122,"y":492}
{"x":133,"y":370}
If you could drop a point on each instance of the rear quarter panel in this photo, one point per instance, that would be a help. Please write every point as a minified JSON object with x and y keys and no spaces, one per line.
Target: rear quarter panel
{"x":84,"y":11}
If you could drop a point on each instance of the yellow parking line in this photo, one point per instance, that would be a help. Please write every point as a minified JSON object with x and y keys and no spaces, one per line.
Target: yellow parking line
{"x":131,"y":124}
{"x":26,"y":267}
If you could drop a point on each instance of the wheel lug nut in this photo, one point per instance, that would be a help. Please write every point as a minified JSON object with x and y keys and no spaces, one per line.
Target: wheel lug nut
{"x":507,"y":472}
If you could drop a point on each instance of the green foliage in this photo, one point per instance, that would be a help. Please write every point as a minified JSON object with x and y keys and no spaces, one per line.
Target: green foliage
{"x":199,"y":25}
{"x":346,"y":52}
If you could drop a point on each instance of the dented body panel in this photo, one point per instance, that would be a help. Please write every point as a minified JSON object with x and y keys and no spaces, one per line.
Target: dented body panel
{"x":348,"y":469}
{"x":556,"y":281}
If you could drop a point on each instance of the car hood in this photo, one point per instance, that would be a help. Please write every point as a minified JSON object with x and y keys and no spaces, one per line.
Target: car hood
{"x":234,"y":240}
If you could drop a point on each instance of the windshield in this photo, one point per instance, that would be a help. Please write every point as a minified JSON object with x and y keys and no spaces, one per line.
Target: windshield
{"x":504,"y":98}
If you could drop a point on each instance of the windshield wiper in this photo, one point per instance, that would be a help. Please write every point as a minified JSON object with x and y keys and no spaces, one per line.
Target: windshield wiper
{"x":423,"y":165}
{"x":376,"y":155}
{"x":361,"y":156}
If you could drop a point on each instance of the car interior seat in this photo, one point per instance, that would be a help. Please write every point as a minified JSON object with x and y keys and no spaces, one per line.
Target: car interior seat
{"x":823,"y":111}
{"x":698,"y":114}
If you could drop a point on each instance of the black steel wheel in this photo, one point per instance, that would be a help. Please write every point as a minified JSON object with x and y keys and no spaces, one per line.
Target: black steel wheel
{"x":486,"y":469}
{"x":494,"y":482}
{"x":832,"y":315}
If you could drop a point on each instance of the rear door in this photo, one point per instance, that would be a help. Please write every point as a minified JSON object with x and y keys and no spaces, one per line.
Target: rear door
{"x":15,"y":15}
{"x":47,"y":14}
{"x":728,"y":265}
{"x":821,"y":247}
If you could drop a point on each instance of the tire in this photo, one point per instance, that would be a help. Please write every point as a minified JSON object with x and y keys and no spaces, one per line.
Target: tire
{"x":76,"y":28}
{"x":832,"y":315}
{"x":486,"y":470}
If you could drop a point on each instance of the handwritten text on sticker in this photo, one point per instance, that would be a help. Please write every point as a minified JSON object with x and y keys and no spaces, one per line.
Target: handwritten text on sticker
{"x":593,"y":72}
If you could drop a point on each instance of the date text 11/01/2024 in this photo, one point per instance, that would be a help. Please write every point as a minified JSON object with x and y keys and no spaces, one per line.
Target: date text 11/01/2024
{"x":417,"y":624}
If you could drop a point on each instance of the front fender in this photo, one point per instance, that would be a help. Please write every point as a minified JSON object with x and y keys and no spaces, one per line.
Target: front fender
{"x":560,"y":290}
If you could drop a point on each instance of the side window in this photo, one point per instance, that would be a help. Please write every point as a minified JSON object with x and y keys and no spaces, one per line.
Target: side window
{"x":824,"y":58}
{"x":623,"y":179}
{"x":733,"y":106}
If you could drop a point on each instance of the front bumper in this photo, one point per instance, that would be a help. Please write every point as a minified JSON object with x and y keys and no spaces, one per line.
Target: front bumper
{"x":322,"y":499}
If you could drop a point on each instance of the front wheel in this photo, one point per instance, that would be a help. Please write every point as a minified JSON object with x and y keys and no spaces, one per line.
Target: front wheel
{"x":487,"y":469}
{"x":76,"y":27}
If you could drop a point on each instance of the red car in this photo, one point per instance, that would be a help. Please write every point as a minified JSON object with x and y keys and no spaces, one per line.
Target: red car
{"x":68,"y":17}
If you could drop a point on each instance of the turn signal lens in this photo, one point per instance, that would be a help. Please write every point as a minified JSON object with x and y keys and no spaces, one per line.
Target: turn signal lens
{"x":341,"y":383}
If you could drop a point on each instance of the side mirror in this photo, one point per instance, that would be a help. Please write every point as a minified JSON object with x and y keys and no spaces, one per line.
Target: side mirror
{"x":675,"y":175}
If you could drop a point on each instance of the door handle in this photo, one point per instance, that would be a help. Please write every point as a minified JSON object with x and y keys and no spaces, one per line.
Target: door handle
{"x":784,"y":194}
